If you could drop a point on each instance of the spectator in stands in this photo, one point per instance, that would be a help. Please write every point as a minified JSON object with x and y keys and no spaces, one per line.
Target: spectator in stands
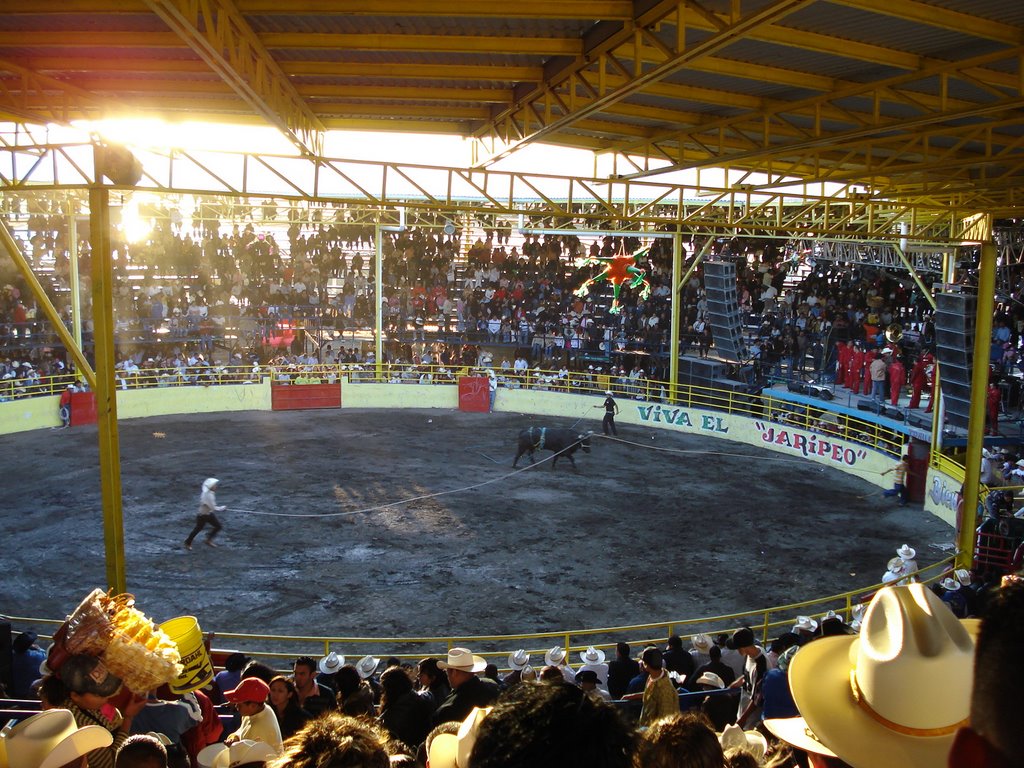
{"x":593,"y":661}
{"x":142,"y":750}
{"x":259,"y":723}
{"x":556,"y":657}
{"x":403,"y":714}
{"x":517,"y":662}
{"x":284,"y":698}
{"x":680,"y":741}
{"x":433,"y":682}
{"x":552,"y":726}
{"x":717,"y":666}
{"x":778,"y":701}
{"x":754,"y":669}
{"x":994,"y":736}
{"x":700,"y":648}
{"x":659,"y":696}
{"x":677,"y":659}
{"x":355,"y":696}
{"x":314,"y":697}
{"x":621,"y":670}
{"x":719,"y":708}
{"x":336,"y":740}
{"x":468,"y":690}
{"x":882,"y":704}
{"x":229,"y":677}
{"x":26,"y":658}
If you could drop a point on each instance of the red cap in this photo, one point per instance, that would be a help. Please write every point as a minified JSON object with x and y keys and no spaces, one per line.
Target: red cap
{"x":250,"y":689}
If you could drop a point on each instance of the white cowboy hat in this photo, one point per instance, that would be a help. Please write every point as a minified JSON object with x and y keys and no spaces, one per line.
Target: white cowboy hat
{"x":243,"y":752}
{"x":805,"y":623}
{"x":518,"y":660}
{"x":963,"y":576}
{"x":754,"y":742}
{"x":592,"y":656}
{"x":906,"y":552}
{"x":894,"y":696}
{"x":950,"y":584}
{"x":794,"y":730}
{"x":528,"y":674}
{"x":553,"y":657}
{"x":366,"y":666}
{"x":50,"y":739}
{"x":701,"y":642}
{"x":710,"y":678}
{"x":331,"y":663}
{"x":464,"y":660}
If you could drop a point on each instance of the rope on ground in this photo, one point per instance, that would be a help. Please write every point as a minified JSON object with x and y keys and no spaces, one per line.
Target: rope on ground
{"x":400,"y":502}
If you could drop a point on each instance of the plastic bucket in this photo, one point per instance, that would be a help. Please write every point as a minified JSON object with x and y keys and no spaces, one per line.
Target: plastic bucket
{"x":197,"y":668}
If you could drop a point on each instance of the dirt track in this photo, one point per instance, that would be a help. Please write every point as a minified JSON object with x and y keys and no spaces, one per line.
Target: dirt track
{"x":637,"y":536}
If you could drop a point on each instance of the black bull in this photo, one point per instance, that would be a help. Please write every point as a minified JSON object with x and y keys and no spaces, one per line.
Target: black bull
{"x":564,"y":442}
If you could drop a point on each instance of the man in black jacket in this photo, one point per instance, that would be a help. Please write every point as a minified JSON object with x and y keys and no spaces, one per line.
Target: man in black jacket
{"x":468,"y":690}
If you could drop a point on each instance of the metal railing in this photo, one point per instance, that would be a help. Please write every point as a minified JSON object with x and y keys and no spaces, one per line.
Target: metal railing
{"x":766,"y":623}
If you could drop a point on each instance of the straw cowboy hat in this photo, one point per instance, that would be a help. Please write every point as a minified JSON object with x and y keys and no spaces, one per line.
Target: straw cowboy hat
{"x":463,"y":659}
{"x":554,"y":657}
{"x":950,"y":584}
{"x":794,"y":730}
{"x":906,"y":552}
{"x":710,"y":678}
{"x":518,"y":660}
{"x":366,"y":666}
{"x":331,"y":663}
{"x":753,"y":741}
{"x":50,"y":740}
{"x":894,"y":696}
{"x":592,"y":656}
{"x":701,"y":643}
{"x":450,"y":750}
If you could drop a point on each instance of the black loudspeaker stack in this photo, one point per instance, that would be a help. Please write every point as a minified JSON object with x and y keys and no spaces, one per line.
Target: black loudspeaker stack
{"x":955,"y":317}
{"x":724,"y":310}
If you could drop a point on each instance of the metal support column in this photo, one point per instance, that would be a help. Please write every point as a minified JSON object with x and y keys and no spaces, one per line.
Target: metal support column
{"x":106,"y":388}
{"x":378,"y":297}
{"x":76,"y":295}
{"x":673,"y":345}
{"x":979,"y":387}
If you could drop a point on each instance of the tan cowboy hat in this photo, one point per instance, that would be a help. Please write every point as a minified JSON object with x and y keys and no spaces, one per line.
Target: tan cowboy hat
{"x":592,"y":656}
{"x":49,"y":740}
{"x":894,"y":696}
{"x":464,"y":660}
{"x":733,"y":736}
{"x":450,"y":750}
{"x":701,"y":642}
{"x":518,"y":660}
{"x":794,"y":730}
{"x":906,"y":552}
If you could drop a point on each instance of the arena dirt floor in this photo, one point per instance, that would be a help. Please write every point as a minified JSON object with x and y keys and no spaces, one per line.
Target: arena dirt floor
{"x":310,"y":545}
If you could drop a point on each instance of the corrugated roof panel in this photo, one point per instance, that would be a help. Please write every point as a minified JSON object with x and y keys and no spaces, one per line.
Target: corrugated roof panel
{"x":1004,"y":11}
{"x":81,"y":22}
{"x":419,"y":25}
{"x":886,"y":31}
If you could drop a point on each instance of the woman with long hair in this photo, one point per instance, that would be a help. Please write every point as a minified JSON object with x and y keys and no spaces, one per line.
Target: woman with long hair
{"x":284,"y":698}
{"x":404,"y":714}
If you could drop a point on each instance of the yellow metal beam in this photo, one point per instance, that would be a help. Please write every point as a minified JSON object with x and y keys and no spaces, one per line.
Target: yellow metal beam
{"x":106,"y":389}
{"x":931,"y":15}
{"x":221,"y":37}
